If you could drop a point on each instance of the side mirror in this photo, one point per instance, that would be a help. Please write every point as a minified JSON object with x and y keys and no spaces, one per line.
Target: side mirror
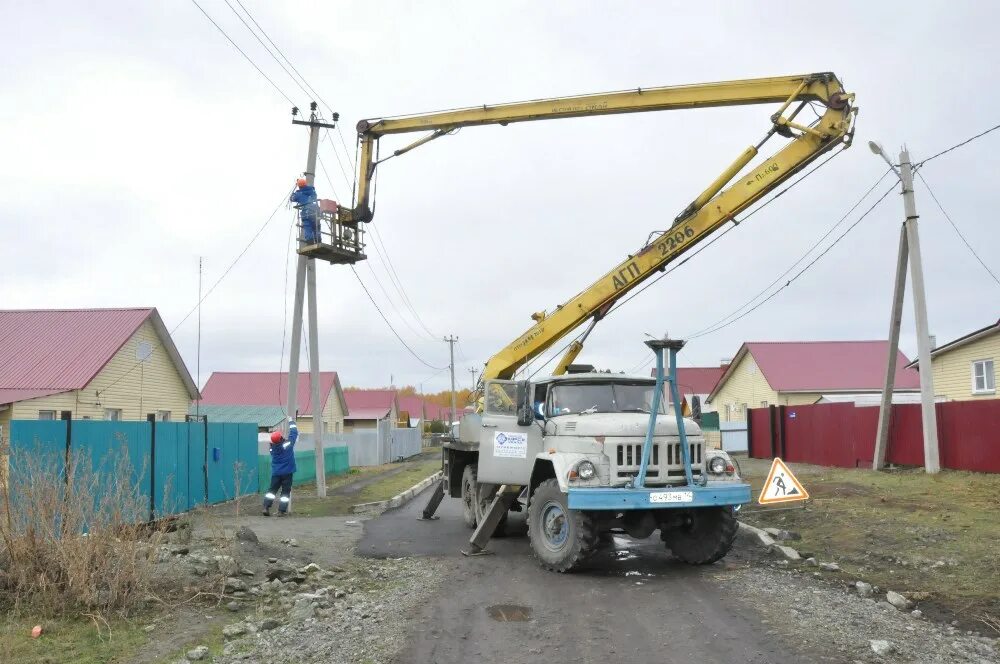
{"x":525,"y":414}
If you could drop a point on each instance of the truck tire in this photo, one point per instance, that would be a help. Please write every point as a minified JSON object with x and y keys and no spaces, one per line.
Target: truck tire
{"x":485,"y":494}
{"x":705,"y":537}
{"x":473,"y":497}
{"x":560,"y":538}
{"x":469,"y":495}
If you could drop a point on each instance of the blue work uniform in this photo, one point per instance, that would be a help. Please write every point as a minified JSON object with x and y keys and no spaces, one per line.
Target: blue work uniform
{"x":305,"y":200}
{"x":282,"y":470}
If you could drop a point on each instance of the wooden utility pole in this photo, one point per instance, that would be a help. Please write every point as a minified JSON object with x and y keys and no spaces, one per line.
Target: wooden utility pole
{"x":909,"y":248}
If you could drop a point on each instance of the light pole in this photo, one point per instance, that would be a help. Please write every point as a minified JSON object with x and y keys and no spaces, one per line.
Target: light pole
{"x":909,"y":249}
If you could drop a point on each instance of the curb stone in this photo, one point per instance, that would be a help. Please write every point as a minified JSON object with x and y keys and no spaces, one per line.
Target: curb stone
{"x":767,"y":542}
{"x":398,"y":499}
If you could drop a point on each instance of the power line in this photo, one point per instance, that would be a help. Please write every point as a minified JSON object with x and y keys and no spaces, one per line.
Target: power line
{"x":204,"y":297}
{"x":958,"y":232}
{"x":957,"y":145}
{"x":800,"y":259}
{"x":261,"y":42}
{"x":394,"y":276}
{"x":389,"y":325}
{"x":247,"y":57}
{"x":803,"y":270}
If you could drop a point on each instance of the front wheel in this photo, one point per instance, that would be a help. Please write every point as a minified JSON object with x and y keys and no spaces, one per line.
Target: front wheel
{"x":704,"y":536}
{"x":560,"y":538}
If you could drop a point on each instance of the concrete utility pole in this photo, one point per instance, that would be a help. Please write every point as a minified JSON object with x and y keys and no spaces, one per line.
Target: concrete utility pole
{"x":472,"y":370}
{"x":909,"y":247}
{"x":451,"y":346}
{"x":305,"y":274}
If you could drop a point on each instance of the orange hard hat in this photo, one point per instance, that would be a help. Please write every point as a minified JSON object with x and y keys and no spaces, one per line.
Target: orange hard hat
{"x":301,"y":182}
{"x":276,"y":437}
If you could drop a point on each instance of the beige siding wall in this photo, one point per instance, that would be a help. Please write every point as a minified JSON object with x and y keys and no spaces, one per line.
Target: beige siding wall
{"x":953,"y":370}
{"x":745,"y":385}
{"x":796,"y":399}
{"x":355,"y":425}
{"x":152,"y":386}
{"x":334,"y":413}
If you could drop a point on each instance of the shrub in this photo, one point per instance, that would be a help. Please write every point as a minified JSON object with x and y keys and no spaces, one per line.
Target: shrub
{"x":74,"y":536}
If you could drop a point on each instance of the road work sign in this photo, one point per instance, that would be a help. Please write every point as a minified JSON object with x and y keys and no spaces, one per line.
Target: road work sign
{"x":781,"y":486}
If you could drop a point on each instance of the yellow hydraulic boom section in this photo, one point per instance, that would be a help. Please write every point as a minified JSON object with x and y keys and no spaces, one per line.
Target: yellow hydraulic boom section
{"x":715,"y":206}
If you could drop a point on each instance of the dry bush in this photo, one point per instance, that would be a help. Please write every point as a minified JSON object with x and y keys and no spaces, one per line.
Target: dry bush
{"x":76,"y":541}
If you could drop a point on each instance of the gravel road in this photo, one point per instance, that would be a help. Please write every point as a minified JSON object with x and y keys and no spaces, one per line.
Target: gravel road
{"x":633,"y":604}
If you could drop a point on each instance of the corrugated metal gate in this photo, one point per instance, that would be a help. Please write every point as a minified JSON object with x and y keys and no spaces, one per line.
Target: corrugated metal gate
{"x":842,"y":434}
{"x":176,"y":465}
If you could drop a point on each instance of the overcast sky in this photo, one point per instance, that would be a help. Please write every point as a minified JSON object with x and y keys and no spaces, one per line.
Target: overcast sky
{"x":135,"y":139}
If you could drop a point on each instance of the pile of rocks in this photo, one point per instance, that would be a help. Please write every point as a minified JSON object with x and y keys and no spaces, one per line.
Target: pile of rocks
{"x":329,"y":615}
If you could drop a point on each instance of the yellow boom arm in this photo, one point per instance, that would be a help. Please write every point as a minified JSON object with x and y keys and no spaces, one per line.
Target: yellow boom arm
{"x":704,"y":214}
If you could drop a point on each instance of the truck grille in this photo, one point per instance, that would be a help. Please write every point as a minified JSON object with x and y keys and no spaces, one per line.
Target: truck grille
{"x":628,"y":457}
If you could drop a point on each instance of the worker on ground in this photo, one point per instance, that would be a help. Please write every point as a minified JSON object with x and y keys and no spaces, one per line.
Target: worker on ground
{"x":305,"y":200}
{"x":282,"y":469}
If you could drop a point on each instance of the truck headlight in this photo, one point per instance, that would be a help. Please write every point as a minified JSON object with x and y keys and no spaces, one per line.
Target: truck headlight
{"x":586,"y":470}
{"x":717,"y":465}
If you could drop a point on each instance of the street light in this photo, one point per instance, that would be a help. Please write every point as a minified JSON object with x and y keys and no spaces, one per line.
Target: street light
{"x":877,"y":149}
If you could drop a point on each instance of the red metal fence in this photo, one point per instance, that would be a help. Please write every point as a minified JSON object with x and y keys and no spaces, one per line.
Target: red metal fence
{"x":842,"y":434}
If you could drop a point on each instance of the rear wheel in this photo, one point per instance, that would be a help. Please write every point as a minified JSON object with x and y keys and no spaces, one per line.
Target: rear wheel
{"x":560,"y":538}
{"x":485,"y":493}
{"x":469,"y":495}
{"x":705,"y":535}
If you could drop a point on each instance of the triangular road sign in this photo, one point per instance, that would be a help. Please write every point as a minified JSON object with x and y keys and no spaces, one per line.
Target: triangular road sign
{"x":781,"y":486}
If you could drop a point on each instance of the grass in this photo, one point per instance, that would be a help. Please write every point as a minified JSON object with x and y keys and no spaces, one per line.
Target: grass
{"x":307,"y":504}
{"x":902,"y":530}
{"x":69,"y":640}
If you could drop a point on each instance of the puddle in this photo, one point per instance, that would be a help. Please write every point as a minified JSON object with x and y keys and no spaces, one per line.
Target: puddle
{"x":509,"y":612}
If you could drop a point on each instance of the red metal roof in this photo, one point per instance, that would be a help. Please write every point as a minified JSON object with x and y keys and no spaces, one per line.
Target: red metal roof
{"x":415,"y":406}
{"x":264,"y":388}
{"x":369,"y":399}
{"x":696,"y":380}
{"x":368,"y":413}
{"x":57,"y":350}
{"x":816,"y":366}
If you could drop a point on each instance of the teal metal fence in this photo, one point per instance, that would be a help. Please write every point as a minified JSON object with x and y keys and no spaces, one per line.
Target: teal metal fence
{"x":334,"y":459}
{"x":174,"y":465}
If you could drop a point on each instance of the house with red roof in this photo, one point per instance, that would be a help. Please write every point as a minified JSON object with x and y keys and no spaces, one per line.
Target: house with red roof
{"x":794,"y":373}
{"x":270,"y":388}
{"x":696,"y":382}
{"x":369,"y":407}
{"x":114,"y":364}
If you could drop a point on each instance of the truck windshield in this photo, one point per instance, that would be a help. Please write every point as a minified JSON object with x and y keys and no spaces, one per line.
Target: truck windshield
{"x":602,"y":398}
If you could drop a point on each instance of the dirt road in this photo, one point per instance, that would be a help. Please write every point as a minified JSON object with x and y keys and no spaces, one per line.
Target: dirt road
{"x":633,"y":604}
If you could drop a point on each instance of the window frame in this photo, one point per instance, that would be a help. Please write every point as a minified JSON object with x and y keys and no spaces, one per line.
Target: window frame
{"x":108,"y":414}
{"x":55,"y":414}
{"x":988,"y":376}
{"x":164,"y":416}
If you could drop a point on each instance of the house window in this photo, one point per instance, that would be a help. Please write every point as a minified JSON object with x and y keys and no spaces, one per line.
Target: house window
{"x":983,"y":378}
{"x":46,"y":414}
{"x":743,"y":410}
{"x":763,"y":404}
{"x":113,"y":414}
{"x":163,"y":416}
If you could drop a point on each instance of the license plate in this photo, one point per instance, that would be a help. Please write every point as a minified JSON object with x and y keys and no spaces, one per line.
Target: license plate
{"x":671,"y":497}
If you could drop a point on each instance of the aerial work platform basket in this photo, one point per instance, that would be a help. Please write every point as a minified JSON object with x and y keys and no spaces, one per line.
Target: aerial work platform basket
{"x":340,"y":244}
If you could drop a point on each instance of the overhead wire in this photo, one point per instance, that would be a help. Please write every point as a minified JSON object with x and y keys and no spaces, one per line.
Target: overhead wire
{"x":261,"y":42}
{"x":801,"y":258}
{"x":215,"y":285}
{"x":243,"y":53}
{"x":803,"y":270}
{"x":955,"y":227}
{"x":957,"y":145}
{"x":389,"y":325}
